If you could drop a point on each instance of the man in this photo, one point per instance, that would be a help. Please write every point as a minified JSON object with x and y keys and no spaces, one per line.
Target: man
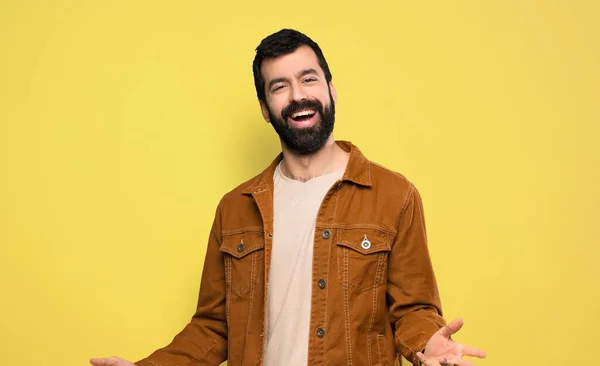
{"x":320,"y":259}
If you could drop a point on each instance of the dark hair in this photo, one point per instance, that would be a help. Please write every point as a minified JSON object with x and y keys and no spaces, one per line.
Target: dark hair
{"x":282,"y":43}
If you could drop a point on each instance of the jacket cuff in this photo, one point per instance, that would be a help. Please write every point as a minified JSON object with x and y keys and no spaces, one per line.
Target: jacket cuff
{"x":146,"y":362}
{"x":412,"y":341}
{"x":418,"y":345}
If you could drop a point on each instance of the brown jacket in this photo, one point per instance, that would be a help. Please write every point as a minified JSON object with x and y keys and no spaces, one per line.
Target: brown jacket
{"x":371,"y":303}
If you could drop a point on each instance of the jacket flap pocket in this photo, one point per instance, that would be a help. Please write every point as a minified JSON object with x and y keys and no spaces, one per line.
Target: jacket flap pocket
{"x":241,"y":244}
{"x":365,"y":240}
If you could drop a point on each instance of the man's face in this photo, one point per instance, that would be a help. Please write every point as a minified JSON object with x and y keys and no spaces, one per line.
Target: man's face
{"x":300,"y":104}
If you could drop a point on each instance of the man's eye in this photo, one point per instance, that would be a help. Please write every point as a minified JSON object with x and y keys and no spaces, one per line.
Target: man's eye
{"x":278,"y":87}
{"x":309,"y":80}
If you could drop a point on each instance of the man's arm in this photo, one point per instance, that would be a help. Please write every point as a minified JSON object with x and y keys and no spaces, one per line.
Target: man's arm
{"x":413,"y":298}
{"x":204,"y":340}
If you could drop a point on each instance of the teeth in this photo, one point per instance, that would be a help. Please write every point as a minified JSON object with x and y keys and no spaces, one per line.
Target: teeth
{"x":303,"y":113}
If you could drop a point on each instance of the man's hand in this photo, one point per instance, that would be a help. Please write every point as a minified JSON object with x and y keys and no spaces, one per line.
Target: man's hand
{"x":111,"y":361}
{"x":442,"y":350}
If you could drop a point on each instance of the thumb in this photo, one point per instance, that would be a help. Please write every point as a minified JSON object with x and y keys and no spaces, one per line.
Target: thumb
{"x":452,"y":327}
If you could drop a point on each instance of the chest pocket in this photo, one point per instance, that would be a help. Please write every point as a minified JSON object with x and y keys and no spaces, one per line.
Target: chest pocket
{"x":362,"y":257}
{"x":244,"y":260}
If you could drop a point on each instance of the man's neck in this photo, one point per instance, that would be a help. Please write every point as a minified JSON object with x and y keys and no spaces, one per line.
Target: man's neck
{"x":326,"y":160}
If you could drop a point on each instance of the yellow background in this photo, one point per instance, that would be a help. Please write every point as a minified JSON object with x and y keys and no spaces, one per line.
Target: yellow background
{"x":122,"y":123}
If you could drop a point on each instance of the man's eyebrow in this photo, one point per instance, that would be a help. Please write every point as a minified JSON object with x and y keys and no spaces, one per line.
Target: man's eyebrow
{"x":277,"y":80}
{"x":299,"y":75}
{"x":307,"y":72}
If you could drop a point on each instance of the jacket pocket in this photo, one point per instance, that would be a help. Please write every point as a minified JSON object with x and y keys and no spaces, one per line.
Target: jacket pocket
{"x":244,"y":259}
{"x":362,"y":257}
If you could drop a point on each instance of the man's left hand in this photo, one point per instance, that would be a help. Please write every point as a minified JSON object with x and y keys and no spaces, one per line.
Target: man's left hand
{"x":442,"y":350}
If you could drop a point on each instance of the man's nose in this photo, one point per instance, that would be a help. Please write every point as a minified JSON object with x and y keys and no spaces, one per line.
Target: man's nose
{"x":298,"y":93}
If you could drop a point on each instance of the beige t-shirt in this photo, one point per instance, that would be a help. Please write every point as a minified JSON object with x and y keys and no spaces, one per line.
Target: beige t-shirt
{"x":296,"y":205}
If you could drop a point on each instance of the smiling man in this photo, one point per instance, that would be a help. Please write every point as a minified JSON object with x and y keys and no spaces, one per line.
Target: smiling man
{"x":320,"y":259}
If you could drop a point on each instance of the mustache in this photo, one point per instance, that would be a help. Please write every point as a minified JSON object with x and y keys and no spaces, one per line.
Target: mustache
{"x":294,"y":107}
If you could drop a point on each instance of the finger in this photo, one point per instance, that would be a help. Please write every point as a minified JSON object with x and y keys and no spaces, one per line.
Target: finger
{"x":104,"y":361}
{"x":462,"y":362}
{"x":424,"y":361}
{"x":99,"y":362}
{"x":421,"y":357}
{"x":473,"y":352}
{"x":452,"y":327}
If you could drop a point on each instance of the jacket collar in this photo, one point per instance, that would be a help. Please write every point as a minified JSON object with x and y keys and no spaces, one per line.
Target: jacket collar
{"x":358,"y":170}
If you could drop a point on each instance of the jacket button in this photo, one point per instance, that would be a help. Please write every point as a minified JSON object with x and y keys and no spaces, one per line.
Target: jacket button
{"x":326,"y":234}
{"x":366,"y":244}
{"x":320,"y":332}
{"x":241,"y":247}
{"x":322,"y":283}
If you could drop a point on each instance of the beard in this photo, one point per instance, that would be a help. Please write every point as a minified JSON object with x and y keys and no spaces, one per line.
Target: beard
{"x":305,"y":141}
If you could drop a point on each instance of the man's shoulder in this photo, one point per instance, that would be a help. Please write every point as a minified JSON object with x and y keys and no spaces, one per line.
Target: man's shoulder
{"x":385,"y":177}
{"x":392,"y":187}
{"x":381,"y":178}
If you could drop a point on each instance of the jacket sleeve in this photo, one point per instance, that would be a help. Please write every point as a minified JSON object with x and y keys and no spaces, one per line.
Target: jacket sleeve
{"x":413,"y":297}
{"x":204,"y":340}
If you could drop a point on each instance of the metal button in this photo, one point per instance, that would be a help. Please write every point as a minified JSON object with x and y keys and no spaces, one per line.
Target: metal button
{"x":366,"y":244}
{"x":322,"y":283}
{"x":326,"y":234}
{"x":241,"y":247}
{"x":320,"y":332}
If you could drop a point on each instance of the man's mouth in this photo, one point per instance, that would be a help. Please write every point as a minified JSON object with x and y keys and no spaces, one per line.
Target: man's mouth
{"x":303,"y":115}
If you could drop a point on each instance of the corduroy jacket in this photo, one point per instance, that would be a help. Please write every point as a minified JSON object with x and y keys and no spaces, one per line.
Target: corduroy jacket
{"x":374,"y":293}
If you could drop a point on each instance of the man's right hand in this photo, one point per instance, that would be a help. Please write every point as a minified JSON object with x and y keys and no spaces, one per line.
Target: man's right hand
{"x":111,"y":361}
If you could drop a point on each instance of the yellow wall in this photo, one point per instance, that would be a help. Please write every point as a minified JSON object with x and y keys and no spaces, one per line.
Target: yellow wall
{"x":123,"y":122}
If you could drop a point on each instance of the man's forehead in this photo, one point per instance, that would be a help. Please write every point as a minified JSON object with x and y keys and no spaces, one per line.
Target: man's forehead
{"x":288,"y":65}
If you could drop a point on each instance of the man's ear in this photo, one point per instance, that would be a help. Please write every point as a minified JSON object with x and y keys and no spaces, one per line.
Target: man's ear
{"x":333,"y":92}
{"x":265,"y":111}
